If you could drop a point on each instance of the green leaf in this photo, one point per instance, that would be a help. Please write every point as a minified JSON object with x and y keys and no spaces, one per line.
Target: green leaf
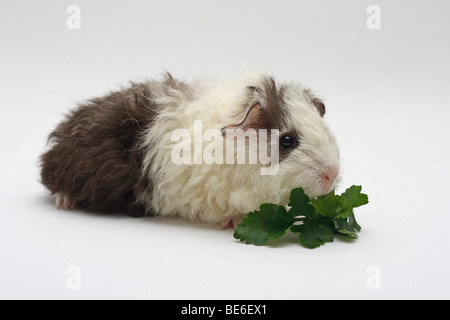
{"x":353,"y":224}
{"x":351,"y":198}
{"x":322,"y":218}
{"x":300,"y":204}
{"x":348,"y":233}
{"x":269,"y":223}
{"x":354,"y":197}
{"x":344,"y":209}
{"x":313,"y":234}
{"x":327,"y":222}
{"x":347,"y":226}
{"x":326,"y":205}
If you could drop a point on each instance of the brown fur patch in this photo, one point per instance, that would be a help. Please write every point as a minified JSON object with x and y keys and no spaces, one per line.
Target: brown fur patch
{"x":266,"y":110}
{"x":95,"y":157}
{"x":269,"y":99}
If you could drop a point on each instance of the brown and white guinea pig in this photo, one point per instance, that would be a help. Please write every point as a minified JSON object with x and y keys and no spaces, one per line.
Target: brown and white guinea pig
{"x":115,"y":153}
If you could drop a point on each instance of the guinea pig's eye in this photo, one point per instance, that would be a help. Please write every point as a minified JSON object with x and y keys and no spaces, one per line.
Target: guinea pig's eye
{"x":287,"y":141}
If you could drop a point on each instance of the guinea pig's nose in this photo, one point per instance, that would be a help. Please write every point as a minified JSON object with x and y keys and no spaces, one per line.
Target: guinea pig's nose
{"x":327,"y":179}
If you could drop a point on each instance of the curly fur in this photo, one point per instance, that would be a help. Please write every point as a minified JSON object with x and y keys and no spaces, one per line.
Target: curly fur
{"x":114,"y":153}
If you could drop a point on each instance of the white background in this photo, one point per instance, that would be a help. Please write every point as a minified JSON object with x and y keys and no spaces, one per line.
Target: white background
{"x":387,"y":95}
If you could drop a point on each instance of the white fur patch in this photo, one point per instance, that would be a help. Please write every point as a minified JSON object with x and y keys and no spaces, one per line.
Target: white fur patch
{"x":218,"y":192}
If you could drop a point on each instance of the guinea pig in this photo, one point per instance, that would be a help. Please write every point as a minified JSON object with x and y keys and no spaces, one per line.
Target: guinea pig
{"x":116,"y":153}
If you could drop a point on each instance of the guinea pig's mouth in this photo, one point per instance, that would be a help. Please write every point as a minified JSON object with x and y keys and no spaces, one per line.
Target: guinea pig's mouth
{"x":324,"y":182}
{"x":329,"y":182}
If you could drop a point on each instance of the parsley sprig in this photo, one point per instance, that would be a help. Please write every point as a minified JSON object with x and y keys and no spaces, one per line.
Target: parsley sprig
{"x":316,"y":221}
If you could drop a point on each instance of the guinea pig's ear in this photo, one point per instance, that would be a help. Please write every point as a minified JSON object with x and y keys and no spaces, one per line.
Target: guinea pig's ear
{"x":252,"y":115}
{"x":251,"y":119}
{"x":320,"y":106}
{"x":318,"y":103}
{"x":264,"y":109}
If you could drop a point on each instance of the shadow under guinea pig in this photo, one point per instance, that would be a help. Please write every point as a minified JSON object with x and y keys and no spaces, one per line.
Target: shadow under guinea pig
{"x":49,"y":203}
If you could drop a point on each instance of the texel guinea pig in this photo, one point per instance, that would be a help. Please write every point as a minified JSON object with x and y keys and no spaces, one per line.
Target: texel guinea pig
{"x":118,"y":153}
